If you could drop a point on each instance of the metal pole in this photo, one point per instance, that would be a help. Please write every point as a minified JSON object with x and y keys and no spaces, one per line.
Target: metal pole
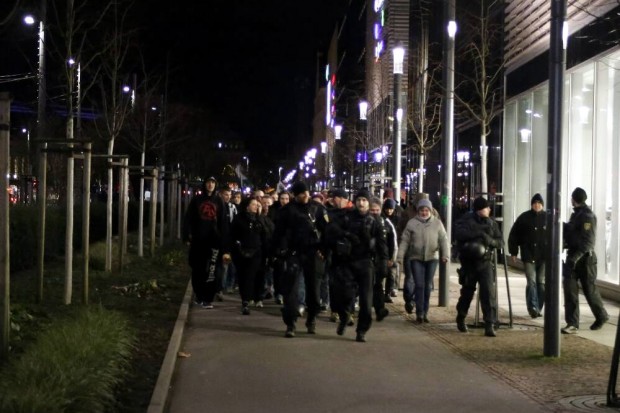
{"x":86,"y":221}
{"x":5,"y":256}
{"x":447,"y":142}
{"x":554,"y":185}
{"x":153,"y":219}
{"x":398,"y":116}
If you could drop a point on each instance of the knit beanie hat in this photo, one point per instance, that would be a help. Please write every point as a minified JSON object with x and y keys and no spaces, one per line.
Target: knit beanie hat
{"x":389,"y":203}
{"x":362,"y":193}
{"x":298,"y":188}
{"x":480,"y":203}
{"x":579,"y":195}
{"x":537,"y":198}
{"x":425,"y":203}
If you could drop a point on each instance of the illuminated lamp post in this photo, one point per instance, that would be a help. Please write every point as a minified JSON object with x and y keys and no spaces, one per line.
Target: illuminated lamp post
{"x":399,"y":57}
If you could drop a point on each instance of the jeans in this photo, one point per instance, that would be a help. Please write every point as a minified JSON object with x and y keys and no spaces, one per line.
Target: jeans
{"x":535,"y":289}
{"x":409,"y":285}
{"x":423,"y":274}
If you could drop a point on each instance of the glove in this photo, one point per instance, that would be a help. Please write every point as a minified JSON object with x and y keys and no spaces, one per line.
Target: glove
{"x":492,"y":242}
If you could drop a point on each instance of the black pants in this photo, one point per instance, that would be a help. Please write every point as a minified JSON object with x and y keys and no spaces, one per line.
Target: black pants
{"x":247,"y":276}
{"x":478,"y":272}
{"x":203,"y":261}
{"x":378,"y":296}
{"x":585,"y":273}
{"x":304,"y":264}
{"x":356,"y":277}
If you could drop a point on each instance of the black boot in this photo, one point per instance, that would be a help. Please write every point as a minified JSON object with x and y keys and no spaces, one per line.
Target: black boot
{"x":460,"y":323}
{"x":342,"y":325}
{"x":489,"y":329}
{"x":361,"y":337}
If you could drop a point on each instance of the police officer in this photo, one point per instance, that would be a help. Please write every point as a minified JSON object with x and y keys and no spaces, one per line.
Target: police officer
{"x":355,"y":240}
{"x":580,"y":265}
{"x":297,"y":238}
{"x":477,"y":235}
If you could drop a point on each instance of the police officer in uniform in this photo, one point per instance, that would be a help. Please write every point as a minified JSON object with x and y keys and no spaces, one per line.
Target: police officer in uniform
{"x":477,"y":235}
{"x":580,"y":265}
{"x":297,"y":238}
{"x":355,"y":240}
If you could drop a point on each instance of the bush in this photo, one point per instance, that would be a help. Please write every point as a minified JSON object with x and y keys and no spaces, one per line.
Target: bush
{"x":73,"y":366}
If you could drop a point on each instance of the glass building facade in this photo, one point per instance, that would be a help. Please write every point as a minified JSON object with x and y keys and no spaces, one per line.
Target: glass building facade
{"x":590,"y":151}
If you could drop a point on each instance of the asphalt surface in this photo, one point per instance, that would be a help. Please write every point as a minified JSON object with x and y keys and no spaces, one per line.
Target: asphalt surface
{"x":229,"y":362}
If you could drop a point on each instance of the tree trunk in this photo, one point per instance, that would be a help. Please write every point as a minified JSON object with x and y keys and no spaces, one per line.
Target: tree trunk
{"x":421,"y":174}
{"x":483,"y":162}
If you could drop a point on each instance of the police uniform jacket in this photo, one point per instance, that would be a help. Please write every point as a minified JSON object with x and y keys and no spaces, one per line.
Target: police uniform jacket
{"x":352,"y":236}
{"x":529,"y":233}
{"x":298,"y":228}
{"x":473,"y":229}
{"x":580,"y":233}
{"x":423,"y":240}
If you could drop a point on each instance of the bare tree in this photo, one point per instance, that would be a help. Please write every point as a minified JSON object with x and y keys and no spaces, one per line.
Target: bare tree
{"x":424,"y":114}
{"x":480,"y":90}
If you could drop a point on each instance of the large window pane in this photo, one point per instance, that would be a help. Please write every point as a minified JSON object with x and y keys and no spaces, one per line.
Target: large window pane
{"x":523,"y":158}
{"x":540,"y":127}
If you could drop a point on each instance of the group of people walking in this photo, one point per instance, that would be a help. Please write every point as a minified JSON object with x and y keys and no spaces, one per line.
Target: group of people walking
{"x":320,"y":251}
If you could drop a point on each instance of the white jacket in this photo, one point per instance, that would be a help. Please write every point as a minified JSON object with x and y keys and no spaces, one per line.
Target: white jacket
{"x":423,"y":240}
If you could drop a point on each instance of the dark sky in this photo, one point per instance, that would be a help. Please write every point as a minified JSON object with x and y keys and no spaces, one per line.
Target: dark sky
{"x":252,"y":62}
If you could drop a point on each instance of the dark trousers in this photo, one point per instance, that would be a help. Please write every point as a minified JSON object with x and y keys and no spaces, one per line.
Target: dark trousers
{"x":585,"y":273}
{"x":305,"y":265}
{"x":478,"y":272}
{"x":247,"y":275}
{"x":278,"y":274}
{"x":356,"y":277}
{"x":378,"y":296}
{"x":203,"y":261}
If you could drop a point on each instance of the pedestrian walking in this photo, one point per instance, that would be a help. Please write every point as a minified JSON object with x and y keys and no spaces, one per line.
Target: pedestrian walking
{"x":297,"y":238}
{"x":206,"y":230}
{"x":357,"y":243}
{"x":423,"y":243}
{"x":391,"y":223}
{"x":248,"y":236}
{"x":580,"y":265}
{"x":379,"y":293}
{"x":477,"y":237}
{"x":529,"y":235}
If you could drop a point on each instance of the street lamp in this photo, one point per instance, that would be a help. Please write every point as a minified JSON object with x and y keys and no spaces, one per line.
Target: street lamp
{"x":247,"y":164}
{"x":399,"y":57}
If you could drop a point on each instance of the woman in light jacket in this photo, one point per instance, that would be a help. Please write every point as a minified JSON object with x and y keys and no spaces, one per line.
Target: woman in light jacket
{"x":422,"y":244}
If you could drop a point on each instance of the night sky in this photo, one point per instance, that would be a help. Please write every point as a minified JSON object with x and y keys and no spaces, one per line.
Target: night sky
{"x":251,"y":62}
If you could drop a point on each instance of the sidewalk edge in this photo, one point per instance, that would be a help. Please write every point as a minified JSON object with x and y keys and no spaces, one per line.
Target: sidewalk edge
{"x":159,"y":397}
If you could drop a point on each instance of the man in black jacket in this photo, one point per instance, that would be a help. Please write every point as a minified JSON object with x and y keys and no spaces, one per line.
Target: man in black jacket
{"x":205,"y":229}
{"x":297,"y":241}
{"x":357,"y":242}
{"x":529,"y":233}
{"x":477,"y":235}
{"x":580,"y":265}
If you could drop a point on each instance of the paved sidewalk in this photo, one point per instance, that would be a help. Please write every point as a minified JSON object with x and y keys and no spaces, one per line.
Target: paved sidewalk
{"x":242,"y":363}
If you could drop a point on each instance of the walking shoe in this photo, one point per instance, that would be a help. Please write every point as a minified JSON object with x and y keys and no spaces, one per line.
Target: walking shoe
{"x":570,"y":329}
{"x":409,"y":307}
{"x":290,"y":332}
{"x":219,"y":296}
{"x":301,"y":310}
{"x":245,"y":310}
{"x":323,"y":308}
{"x":388,"y":299}
{"x":425,"y":319}
{"x":259,"y":304}
{"x":382,"y":313}
{"x":268,"y":295}
{"x":197,"y":302}
{"x":489,"y":330}
{"x":351,"y":320}
{"x":360,"y":337}
{"x":394,"y":293}
{"x":598,"y":324}
{"x":534,"y":313}
{"x":333,"y":317}
{"x":207,"y":305}
{"x":460,"y":324}
{"x":419,"y":319}
{"x":279,"y":299}
{"x":311,"y":326}
{"x":342,"y":325}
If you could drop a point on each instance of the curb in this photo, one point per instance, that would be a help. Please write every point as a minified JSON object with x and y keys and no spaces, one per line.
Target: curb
{"x":160,"y":392}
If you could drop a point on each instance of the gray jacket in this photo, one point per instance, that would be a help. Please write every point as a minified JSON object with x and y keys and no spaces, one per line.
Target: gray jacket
{"x":423,"y":240}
